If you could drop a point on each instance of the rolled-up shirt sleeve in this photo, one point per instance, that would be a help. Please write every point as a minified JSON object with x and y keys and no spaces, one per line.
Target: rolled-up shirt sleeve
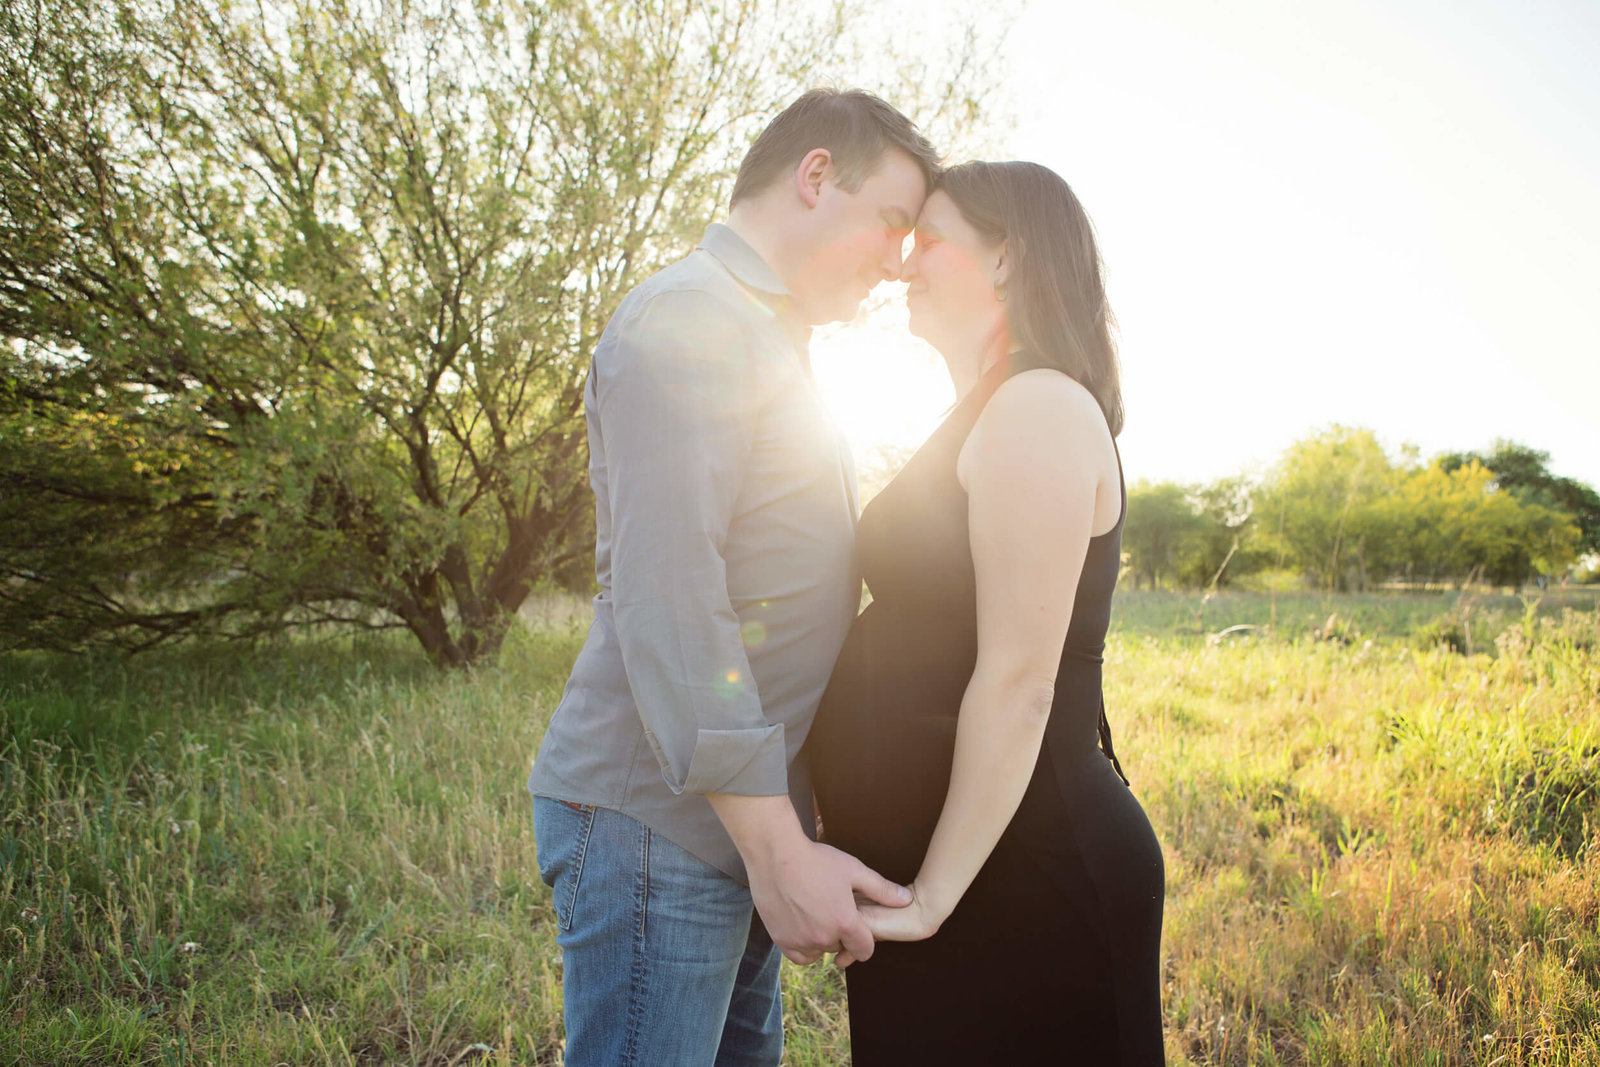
{"x":679,"y":390}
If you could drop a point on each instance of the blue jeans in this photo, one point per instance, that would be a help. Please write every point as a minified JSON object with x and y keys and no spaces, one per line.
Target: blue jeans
{"x":665,"y":961}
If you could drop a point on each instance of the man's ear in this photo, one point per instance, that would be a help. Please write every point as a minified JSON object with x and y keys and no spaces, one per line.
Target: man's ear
{"x":814,"y":169}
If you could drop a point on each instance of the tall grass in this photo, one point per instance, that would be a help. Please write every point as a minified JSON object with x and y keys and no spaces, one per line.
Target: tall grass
{"x":1376,"y":855}
{"x":306,"y":855}
{"x":1380,"y":850}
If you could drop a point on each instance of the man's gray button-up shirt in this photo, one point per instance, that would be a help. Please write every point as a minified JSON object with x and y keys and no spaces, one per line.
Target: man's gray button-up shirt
{"x":725,"y":517}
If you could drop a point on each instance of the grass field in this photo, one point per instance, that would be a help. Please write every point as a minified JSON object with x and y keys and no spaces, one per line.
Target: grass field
{"x":1380,"y":849}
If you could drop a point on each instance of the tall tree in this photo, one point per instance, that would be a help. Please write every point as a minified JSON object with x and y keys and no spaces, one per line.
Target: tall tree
{"x":1314,"y":507}
{"x":1224,"y":546}
{"x":1161,"y":531}
{"x":1452,"y":523}
{"x":1526,"y":472}
{"x":297,"y":298}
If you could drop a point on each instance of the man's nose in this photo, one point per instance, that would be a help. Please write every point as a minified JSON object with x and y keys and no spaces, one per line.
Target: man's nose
{"x":892,"y":263}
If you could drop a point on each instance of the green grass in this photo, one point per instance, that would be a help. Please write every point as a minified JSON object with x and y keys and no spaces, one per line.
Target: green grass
{"x":1473,"y":618}
{"x":1379,"y":850}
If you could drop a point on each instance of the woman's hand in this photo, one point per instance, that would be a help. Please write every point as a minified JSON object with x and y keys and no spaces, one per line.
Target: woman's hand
{"x":916,"y":921}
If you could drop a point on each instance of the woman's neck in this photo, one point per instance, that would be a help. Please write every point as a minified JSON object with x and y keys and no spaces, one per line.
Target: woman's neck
{"x":969,"y":363}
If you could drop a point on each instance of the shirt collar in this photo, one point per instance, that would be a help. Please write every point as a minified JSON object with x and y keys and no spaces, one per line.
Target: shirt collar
{"x":742,"y":261}
{"x":767,"y":289}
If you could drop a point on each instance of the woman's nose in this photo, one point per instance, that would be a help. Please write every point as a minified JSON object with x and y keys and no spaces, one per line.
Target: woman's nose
{"x":908,"y":268}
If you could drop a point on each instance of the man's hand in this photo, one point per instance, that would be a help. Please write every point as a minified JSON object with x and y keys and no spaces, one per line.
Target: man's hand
{"x":807,"y":898}
{"x":805,"y":892}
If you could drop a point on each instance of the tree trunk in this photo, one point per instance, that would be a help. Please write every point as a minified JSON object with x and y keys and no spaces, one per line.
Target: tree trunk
{"x":424,"y":617}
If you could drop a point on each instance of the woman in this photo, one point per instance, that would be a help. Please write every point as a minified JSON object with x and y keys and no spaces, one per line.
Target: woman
{"x":958,"y":744}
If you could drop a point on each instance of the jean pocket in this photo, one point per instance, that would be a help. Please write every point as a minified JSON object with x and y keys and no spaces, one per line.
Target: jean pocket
{"x":561,"y":840}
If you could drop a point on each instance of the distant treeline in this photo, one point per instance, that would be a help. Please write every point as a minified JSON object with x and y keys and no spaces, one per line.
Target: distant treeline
{"x":1338,"y":512}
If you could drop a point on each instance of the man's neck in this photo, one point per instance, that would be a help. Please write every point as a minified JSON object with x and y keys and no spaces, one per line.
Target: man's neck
{"x":763,"y":237}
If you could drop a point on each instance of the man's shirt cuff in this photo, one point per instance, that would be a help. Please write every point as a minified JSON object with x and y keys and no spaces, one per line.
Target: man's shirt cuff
{"x":748,"y":762}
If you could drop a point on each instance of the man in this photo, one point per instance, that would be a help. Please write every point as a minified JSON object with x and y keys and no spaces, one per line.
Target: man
{"x":672,"y":810}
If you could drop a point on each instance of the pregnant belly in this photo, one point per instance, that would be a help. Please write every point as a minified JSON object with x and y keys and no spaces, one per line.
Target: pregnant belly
{"x":883,"y":740}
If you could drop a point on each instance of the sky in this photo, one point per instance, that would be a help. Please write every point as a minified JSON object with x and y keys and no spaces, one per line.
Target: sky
{"x":1375,"y":215}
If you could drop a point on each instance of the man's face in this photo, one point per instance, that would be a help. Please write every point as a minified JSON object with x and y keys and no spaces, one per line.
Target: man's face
{"x":856,"y":238}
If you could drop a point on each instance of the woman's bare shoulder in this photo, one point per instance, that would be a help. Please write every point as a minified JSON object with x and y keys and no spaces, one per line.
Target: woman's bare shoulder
{"x":1040,"y":409}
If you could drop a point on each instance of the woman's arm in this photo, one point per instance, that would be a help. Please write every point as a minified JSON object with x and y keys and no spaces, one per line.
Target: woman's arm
{"x":1033,"y":469}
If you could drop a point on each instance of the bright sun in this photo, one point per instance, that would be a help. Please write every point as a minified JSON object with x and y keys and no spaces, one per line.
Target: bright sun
{"x":887,"y":389}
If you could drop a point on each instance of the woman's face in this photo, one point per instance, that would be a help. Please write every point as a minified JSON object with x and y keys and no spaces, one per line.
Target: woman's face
{"x":950,"y":276}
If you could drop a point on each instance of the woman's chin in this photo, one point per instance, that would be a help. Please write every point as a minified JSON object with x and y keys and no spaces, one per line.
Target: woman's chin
{"x":917,"y":324}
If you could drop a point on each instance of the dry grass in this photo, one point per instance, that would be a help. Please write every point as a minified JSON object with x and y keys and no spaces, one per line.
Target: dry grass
{"x":1375,"y":855}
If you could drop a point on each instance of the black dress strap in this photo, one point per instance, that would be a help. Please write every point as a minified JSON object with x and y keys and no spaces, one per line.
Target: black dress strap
{"x":1108,"y":749}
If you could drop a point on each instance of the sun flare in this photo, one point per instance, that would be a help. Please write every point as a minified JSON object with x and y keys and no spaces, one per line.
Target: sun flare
{"x":887,"y":389}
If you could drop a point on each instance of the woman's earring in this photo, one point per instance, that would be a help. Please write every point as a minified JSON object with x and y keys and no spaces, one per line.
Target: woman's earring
{"x":1000,"y":291}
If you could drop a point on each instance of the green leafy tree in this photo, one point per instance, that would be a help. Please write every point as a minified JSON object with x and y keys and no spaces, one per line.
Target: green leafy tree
{"x":1316,"y":511}
{"x":1526,"y":472}
{"x":1459,"y":523}
{"x":1189,"y":536}
{"x":1161,"y":530}
{"x":1222,"y":547}
{"x":297,"y":298}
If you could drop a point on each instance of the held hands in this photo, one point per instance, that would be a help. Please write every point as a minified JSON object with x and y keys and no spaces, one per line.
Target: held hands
{"x":805,"y":892}
{"x":807,"y":899}
{"x":916,"y":921}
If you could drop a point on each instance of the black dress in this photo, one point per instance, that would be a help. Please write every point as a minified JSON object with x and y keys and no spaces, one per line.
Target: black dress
{"x":1052,"y":956}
